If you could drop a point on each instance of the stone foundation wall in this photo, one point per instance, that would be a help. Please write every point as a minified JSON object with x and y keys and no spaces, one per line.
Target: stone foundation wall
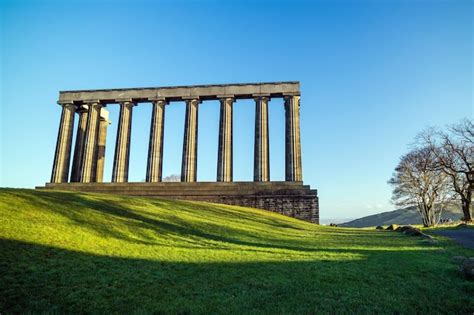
{"x":292,"y":199}
{"x":300,"y":207}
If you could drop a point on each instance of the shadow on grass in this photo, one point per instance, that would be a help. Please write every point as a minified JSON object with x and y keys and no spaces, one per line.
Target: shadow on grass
{"x":36,"y":278}
{"x":93,"y":211}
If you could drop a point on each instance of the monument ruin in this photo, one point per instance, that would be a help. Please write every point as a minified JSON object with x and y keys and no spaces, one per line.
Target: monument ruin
{"x":289,"y":197}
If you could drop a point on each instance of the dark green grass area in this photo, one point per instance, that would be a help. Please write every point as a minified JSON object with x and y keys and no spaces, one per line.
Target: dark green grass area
{"x":456,"y":226}
{"x":83,"y":253}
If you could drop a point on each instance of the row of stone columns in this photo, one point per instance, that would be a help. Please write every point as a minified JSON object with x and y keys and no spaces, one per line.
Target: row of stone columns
{"x":89,"y":152}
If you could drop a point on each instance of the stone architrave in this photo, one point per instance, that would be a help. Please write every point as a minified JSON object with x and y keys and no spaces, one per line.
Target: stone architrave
{"x":122,"y":146}
{"x":154,"y":170}
{"x":292,"y":139}
{"x":89,"y":160}
{"x":261,"y":146}
{"x":190,"y":142}
{"x":62,"y":155}
{"x":224,"y":156}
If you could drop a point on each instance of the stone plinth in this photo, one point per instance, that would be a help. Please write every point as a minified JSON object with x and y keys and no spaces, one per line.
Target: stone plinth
{"x":288,"y":198}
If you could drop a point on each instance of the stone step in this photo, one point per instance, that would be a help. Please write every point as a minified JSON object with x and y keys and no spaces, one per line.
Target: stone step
{"x":242,"y":187}
{"x":195,"y":193}
{"x":181,"y":192}
{"x":184,"y":185}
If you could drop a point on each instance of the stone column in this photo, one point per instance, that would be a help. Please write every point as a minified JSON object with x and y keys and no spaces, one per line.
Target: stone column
{"x":189,"y":160}
{"x":224,"y":156}
{"x":261,"y":168}
{"x":122,"y":146}
{"x":79,"y":146}
{"x":101,"y":142}
{"x":292,"y":139}
{"x":155,"y":147}
{"x":62,"y":156}
{"x":89,"y":159}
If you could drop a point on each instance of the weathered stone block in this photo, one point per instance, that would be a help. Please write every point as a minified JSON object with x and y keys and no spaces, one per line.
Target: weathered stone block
{"x":292,"y":199}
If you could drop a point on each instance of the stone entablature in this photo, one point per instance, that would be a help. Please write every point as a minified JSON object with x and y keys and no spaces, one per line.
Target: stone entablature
{"x":183,"y":93}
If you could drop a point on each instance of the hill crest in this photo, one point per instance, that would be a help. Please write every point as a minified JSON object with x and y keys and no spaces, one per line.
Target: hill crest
{"x":400,"y":216}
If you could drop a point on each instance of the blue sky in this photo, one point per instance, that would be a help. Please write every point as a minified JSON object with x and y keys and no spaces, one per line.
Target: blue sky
{"x":373,"y":74}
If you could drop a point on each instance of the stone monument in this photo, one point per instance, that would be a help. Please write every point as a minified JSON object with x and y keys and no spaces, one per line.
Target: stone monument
{"x":290,"y":197}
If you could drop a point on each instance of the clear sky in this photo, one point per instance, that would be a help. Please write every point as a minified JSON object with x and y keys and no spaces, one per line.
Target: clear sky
{"x":373,"y":74}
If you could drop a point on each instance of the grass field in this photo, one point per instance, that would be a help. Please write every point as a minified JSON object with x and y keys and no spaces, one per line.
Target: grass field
{"x":82,"y":253}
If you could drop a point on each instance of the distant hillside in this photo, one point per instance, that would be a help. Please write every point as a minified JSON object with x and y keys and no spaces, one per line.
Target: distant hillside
{"x":401,"y":216}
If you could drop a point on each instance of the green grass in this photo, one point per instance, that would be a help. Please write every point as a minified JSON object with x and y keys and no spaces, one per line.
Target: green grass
{"x":449,"y":227}
{"x":82,"y":253}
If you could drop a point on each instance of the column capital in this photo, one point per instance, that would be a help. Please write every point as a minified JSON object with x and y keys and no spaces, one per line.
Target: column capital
{"x":66,"y":103}
{"x":158,"y":100}
{"x":258,"y":97}
{"x":191,"y":99}
{"x":294,"y":98}
{"x":92,"y":104}
{"x":230,"y":100}
{"x":289,"y":95}
{"x":126,"y":101}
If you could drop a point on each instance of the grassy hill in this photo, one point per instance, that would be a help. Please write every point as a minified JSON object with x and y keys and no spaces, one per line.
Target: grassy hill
{"x":73,"y":252}
{"x":401,"y":216}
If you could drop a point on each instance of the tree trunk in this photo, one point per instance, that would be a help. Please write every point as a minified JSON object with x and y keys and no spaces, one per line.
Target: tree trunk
{"x":466,"y":207}
{"x":426,"y":216}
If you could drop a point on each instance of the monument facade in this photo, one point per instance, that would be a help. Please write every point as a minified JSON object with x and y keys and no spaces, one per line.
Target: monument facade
{"x":290,"y":197}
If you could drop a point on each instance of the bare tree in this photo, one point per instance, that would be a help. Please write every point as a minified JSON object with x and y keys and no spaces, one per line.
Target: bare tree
{"x":417,"y":183}
{"x":454,"y":152}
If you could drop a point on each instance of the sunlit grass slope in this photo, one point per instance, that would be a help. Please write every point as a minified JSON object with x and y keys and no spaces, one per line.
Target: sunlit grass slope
{"x":72,"y":252}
